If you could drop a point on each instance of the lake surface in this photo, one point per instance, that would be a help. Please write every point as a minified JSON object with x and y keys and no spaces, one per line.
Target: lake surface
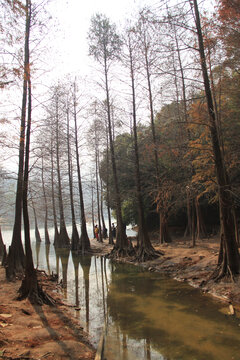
{"x":145,"y":315}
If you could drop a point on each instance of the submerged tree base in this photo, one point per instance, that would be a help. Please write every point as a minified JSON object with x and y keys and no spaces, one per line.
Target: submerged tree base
{"x":30,"y":288}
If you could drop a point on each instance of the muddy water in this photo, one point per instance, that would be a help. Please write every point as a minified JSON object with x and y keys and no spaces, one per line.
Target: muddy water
{"x":144,"y":315}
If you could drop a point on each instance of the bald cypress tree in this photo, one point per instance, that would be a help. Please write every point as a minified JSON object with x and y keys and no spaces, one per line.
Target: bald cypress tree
{"x":105,"y":46}
{"x":229,"y":260}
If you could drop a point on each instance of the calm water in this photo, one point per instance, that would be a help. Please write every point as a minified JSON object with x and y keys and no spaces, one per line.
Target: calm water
{"x":145,"y":315}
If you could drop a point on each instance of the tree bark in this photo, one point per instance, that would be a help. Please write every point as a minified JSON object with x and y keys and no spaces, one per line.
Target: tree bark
{"x":121,"y":245}
{"x":29,"y":287}
{"x":37,"y":233}
{"x":63,"y":239}
{"x":110,"y":236}
{"x":164,"y":232}
{"x":188,"y":230}
{"x":93,"y":217}
{"x":104,"y":230}
{"x":47,"y":239}
{"x":55,"y":223}
{"x":145,"y":250}
{"x":150,"y":99}
{"x":201,"y":230}
{"x":84,"y":245}
{"x":98,"y":200}
{"x":15,"y":261}
{"x":231,"y":262}
{"x":75,"y":236}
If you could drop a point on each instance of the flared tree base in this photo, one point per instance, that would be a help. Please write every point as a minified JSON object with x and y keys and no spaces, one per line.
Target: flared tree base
{"x":117,"y":253}
{"x":223,"y":271}
{"x":31,"y":289}
{"x":144,"y":254}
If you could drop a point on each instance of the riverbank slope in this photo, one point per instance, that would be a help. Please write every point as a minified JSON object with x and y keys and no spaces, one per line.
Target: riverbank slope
{"x":194,"y":265}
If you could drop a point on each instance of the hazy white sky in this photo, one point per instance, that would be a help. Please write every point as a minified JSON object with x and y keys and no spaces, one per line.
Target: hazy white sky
{"x":73,"y":16}
{"x":70,"y":45}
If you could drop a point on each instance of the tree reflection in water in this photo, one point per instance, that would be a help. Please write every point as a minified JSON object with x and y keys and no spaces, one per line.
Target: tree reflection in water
{"x":75,"y":258}
{"x":85,"y":262}
{"x":47,"y":250}
{"x":63,"y":254}
{"x":147,"y":316}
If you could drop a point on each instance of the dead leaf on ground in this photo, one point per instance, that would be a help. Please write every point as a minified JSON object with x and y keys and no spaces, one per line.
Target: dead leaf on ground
{"x":3,"y":324}
{"x":6,"y":315}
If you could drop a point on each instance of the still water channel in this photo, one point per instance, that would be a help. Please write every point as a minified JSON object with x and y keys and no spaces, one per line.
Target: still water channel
{"x":144,"y":315}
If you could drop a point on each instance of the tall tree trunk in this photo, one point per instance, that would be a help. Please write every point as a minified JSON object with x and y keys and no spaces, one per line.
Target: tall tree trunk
{"x":201,"y":229}
{"x":150,"y":99}
{"x":188,"y":230}
{"x":230,"y":264}
{"x":104,"y":230}
{"x":55,"y":223}
{"x":236,"y":225}
{"x":110,"y":236}
{"x":164,"y":232}
{"x":15,"y":261}
{"x":75,"y":235}
{"x":93,"y":217}
{"x":193,"y":224}
{"x":47,"y":239}
{"x":29,"y":287}
{"x":190,"y":210}
{"x":63,"y":239}
{"x":84,"y":245}
{"x":37,"y":233}
{"x":145,"y":250}
{"x":98,"y":199}
{"x":121,"y":245}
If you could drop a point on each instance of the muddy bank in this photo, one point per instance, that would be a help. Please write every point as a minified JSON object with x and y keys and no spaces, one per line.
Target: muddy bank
{"x":39,"y":332}
{"x":194,"y":265}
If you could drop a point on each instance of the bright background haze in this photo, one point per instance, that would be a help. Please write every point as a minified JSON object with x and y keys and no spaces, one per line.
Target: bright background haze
{"x":70,"y":46}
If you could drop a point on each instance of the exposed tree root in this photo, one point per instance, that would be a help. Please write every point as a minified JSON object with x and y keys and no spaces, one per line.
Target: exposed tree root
{"x":222,"y":271}
{"x":36,"y":296}
{"x":147,"y":253}
{"x":30,"y":288}
{"x":118,"y":253}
